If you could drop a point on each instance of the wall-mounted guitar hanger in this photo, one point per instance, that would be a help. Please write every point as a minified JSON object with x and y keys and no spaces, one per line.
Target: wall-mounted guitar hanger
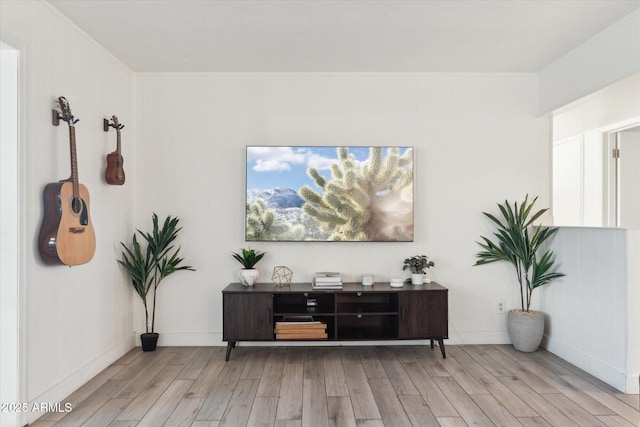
{"x":56,"y":116}
{"x":106,"y":125}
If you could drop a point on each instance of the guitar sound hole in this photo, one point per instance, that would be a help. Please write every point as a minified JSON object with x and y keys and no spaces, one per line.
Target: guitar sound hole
{"x":76,"y":205}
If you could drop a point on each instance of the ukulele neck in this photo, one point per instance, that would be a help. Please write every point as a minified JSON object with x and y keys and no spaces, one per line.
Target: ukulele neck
{"x":118,"y":141}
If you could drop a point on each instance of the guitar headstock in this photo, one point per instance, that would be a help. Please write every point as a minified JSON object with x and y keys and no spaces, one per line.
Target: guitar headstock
{"x":115,"y":124}
{"x":65,"y":109}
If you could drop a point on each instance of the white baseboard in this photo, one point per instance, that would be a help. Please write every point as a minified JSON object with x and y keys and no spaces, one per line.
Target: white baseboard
{"x":175,"y":339}
{"x":479,"y":337}
{"x":633,"y":384}
{"x":610,"y":375}
{"x":68,"y":385}
{"x":187,"y":339}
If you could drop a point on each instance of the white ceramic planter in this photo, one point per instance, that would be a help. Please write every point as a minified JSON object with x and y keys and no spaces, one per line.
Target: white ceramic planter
{"x":417,"y":278}
{"x":248,"y":276}
{"x":525,"y":329}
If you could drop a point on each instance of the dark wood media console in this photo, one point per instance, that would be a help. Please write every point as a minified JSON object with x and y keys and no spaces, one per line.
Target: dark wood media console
{"x":355,"y":312}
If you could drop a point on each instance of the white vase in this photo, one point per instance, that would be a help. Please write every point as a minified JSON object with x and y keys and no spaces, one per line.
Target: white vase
{"x":248,"y":276}
{"x":417,"y":278}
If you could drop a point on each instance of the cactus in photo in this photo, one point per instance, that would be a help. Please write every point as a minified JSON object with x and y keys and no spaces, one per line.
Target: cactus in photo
{"x":370,"y":200}
{"x":262,"y":224}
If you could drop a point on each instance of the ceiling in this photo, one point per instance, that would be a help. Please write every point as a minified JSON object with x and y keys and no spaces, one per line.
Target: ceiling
{"x":342,"y":35}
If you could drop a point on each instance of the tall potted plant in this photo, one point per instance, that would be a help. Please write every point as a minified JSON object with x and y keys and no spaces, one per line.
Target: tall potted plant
{"x":150,"y":266}
{"x":248,"y":258}
{"x":520,"y":244}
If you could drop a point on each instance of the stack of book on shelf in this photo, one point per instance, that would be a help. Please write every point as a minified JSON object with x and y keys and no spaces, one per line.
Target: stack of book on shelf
{"x":327,"y":280}
{"x":300,"y":327}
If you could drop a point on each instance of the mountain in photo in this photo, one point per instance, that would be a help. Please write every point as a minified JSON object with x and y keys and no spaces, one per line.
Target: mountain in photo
{"x":276,"y":198}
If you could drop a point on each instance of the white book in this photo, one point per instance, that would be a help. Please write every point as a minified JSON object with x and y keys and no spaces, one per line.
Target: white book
{"x":322,"y":281}
{"x":327,"y":285}
{"x":327,"y":277}
{"x":327,"y":274}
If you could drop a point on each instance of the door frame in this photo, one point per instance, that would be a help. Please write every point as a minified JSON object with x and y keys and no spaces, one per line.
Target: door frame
{"x":611,"y":139}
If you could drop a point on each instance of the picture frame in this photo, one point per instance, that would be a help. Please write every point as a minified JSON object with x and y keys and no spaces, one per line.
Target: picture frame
{"x":329,"y":193}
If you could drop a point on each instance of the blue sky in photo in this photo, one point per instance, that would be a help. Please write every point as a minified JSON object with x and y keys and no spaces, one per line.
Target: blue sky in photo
{"x":270,"y":167}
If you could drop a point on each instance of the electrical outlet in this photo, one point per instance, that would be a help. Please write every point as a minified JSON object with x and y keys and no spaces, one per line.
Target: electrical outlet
{"x":500,"y":306}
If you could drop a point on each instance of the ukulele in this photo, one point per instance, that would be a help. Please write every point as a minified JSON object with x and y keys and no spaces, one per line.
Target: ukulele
{"x":114,"y":174}
{"x":67,"y":236}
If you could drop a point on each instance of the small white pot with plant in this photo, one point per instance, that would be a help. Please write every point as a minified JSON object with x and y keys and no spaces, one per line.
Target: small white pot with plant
{"x":417,"y":265}
{"x":520,"y":243}
{"x":249,"y":258}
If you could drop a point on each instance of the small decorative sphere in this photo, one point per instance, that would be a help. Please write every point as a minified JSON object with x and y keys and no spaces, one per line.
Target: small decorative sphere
{"x":282,"y":275}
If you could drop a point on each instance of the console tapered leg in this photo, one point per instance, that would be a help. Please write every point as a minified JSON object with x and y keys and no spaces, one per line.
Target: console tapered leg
{"x":441,"y":344}
{"x":230,"y":345}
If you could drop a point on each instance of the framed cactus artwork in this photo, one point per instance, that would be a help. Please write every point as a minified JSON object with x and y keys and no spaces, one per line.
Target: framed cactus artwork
{"x":354,"y":194}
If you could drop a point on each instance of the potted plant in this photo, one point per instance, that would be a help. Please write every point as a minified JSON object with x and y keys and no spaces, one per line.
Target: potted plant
{"x":418,"y":264}
{"x":150,"y":266}
{"x":520,"y":243}
{"x":249,"y":258}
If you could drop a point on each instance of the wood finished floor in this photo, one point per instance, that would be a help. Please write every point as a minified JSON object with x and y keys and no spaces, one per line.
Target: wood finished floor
{"x":476,"y":385}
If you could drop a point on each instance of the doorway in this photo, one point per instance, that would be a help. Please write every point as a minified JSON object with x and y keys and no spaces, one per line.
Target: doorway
{"x":595,"y":177}
{"x":625,"y":175}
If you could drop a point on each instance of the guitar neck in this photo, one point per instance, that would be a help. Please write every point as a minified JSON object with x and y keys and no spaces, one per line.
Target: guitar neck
{"x":74,"y":161}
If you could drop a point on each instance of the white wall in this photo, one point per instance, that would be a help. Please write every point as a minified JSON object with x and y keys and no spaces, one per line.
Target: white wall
{"x":568,"y":181}
{"x":617,"y":105}
{"x":633,"y":319}
{"x":592,"y":319}
{"x":605,"y":59}
{"x":579,"y":181}
{"x":76,"y":321}
{"x":9,"y":293}
{"x":477,"y":141}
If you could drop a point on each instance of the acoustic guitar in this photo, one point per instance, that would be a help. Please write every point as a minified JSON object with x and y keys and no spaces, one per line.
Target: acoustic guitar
{"x":67,"y":236}
{"x":114,"y":174}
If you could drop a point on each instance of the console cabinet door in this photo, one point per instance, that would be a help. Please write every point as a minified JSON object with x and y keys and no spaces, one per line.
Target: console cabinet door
{"x":423,"y":314}
{"x":247,"y":317}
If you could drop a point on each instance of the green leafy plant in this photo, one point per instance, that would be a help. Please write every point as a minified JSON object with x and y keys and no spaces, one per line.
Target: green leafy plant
{"x":515,"y":244}
{"x":157,"y":261}
{"x":418,"y":264}
{"x":249,"y":257}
